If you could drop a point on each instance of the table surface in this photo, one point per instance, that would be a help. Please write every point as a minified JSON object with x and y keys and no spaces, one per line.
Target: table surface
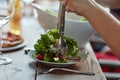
{"x":21,"y":69}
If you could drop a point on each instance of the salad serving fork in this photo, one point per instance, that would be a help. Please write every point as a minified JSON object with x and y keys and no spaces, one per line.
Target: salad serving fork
{"x":61,"y":26}
{"x":65,"y":69}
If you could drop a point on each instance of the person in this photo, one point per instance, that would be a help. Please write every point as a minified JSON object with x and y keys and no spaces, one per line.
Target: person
{"x":104,"y":23}
{"x":115,"y":11}
{"x":100,"y":46}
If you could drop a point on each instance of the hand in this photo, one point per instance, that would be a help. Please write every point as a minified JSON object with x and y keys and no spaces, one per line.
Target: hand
{"x":80,"y":7}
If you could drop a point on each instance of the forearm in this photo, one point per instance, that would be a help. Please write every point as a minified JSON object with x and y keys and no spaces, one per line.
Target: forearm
{"x":109,"y":3}
{"x":107,"y":26}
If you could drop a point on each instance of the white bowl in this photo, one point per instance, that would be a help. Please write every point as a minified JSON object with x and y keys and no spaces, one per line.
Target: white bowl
{"x":79,"y":30}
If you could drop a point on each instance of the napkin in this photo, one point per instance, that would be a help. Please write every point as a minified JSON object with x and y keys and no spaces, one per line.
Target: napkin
{"x":109,"y":58}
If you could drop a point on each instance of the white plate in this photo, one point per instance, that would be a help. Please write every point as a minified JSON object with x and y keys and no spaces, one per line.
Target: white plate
{"x":14,"y":47}
{"x":83,"y":55}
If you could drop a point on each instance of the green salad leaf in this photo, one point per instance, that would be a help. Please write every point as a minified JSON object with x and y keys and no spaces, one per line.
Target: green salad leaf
{"x":45,"y":45}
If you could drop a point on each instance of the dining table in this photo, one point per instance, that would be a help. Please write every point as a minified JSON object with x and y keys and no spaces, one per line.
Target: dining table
{"x":23,"y":66}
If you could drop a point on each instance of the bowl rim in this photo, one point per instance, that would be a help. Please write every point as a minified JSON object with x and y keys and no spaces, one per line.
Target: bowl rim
{"x":72,"y":20}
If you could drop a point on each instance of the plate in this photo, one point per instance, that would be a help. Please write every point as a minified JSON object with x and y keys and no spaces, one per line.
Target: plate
{"x":83,"y":55}
{"x":14,"y":47}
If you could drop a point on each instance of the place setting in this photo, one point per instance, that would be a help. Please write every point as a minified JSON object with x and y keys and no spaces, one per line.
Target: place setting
{"x":12,"y":38}
{"x":57,"y":53}
{"x":10,"y":29}
{"x":40,"y":51}
{"x":47,"y":69}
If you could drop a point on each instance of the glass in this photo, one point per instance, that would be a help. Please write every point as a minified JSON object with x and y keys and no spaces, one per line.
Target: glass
{"x":28,"y":10}
{"x":7,"y":9}
{"x":28,"y":1}
{"x":15,"y":27}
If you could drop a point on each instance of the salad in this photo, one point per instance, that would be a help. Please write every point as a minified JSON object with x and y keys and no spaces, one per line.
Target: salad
{"x":47,"y":51}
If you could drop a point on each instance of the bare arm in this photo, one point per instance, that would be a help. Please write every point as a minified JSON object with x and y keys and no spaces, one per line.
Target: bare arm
{"x":109,"y":3}
{"x":107,"y":26}
{"x":104,"y":23}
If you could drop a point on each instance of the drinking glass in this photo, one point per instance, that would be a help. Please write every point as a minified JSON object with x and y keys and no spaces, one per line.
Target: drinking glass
{"x":28,"y":10}
{"x":7,"y":9}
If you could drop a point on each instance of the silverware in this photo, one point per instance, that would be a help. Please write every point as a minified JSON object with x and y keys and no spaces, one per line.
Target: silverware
{"x":61,"y":45}
{"x":36,"y":70}
{"x":68,"y":70}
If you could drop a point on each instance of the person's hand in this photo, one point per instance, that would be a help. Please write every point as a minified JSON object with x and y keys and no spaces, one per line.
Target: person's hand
{"x":80,"y":7}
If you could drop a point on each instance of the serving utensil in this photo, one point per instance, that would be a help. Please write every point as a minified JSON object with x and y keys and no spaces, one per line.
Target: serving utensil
{"x":65,"y":69}
{"x":61,"y":45}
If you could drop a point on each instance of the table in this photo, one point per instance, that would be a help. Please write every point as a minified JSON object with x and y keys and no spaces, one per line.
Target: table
{"x":21,"y":70}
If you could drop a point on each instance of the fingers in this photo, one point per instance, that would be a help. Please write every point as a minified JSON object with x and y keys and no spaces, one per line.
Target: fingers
{"x":68,"y":7}
{"x":65,"y":2}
